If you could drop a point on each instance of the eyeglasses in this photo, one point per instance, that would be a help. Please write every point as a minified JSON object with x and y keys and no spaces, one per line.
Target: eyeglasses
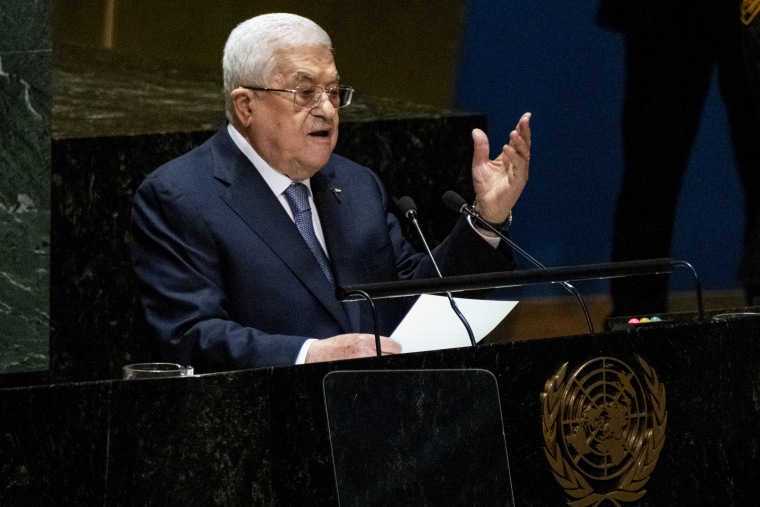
{"x":311,"y":96}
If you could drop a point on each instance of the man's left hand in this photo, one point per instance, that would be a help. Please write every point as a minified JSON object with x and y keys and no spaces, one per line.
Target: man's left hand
{"x":498,"y":183}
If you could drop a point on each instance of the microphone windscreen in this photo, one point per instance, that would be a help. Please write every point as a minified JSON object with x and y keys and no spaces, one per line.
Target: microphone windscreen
{"x":406,"y":204}
{"x":454,"y":201}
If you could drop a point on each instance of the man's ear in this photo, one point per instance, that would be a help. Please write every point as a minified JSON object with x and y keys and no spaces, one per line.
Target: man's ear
{"x":242,"y":100}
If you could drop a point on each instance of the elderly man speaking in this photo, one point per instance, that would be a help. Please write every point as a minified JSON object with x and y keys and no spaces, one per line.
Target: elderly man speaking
{"x":239,"y":244}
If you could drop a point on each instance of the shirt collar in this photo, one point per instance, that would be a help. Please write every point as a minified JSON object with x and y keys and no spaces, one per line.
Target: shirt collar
{"x":276,"y":180}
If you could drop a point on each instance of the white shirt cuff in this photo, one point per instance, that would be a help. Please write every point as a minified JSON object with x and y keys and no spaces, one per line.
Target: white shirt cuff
{"x":301,"y":358}
{"x":494,"y":242}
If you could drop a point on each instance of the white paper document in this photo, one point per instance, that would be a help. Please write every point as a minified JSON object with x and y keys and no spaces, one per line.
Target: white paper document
{"x":431,"y":324}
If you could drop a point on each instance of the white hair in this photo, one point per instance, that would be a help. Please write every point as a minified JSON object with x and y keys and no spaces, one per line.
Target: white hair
{"x":249,"y":54}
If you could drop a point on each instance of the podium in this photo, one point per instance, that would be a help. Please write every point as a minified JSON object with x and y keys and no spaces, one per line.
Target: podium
{"x":264,"y":437}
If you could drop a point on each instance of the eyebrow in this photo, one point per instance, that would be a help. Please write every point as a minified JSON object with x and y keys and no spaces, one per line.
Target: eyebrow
{"x":305,"y":76}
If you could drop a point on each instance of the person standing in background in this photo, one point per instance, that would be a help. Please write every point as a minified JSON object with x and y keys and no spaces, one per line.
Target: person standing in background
{"x":671,"y":50}
{"x":750,"y":17}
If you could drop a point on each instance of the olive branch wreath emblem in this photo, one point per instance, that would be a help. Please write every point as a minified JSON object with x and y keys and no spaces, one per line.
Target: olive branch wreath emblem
{"x":629,"y":487}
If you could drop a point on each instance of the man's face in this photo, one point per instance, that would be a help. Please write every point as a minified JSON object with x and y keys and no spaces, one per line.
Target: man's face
{"x":294,"y":140}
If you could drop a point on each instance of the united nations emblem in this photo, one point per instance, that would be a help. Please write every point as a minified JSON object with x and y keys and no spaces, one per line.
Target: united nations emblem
{"x":604,"y":430}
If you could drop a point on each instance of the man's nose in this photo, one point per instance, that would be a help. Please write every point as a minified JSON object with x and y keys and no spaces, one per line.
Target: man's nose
{"x":325,"y":108}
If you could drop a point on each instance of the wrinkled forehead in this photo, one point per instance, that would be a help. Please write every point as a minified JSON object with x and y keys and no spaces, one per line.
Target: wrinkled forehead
{"x":305,"y":65}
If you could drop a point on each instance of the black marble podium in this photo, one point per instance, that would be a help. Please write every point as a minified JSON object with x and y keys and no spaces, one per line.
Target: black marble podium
{"x":263,"y":437}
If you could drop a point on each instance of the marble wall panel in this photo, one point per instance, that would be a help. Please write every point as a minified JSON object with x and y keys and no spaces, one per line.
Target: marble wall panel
{"x":25,"y":116}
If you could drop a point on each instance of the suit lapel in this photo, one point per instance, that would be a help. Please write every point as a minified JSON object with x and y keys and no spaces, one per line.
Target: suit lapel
{"x":250,"y":197}
{"x":332,"y":198}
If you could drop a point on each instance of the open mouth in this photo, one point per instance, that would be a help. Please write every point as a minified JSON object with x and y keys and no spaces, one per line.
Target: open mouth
{"x":320,"y":133}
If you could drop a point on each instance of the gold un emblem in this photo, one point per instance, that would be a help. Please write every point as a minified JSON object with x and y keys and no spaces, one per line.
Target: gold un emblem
{"x":603,"y":430}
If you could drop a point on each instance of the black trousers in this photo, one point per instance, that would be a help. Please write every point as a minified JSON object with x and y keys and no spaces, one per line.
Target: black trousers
{"x":668,"y":74}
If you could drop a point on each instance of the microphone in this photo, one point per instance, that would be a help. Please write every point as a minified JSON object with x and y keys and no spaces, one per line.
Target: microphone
{"x":457,"y":203}
{"x":409,"y":209}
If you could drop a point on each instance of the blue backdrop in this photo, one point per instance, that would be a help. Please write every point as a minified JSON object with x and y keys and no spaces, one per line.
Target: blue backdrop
{"x":550,"y":58}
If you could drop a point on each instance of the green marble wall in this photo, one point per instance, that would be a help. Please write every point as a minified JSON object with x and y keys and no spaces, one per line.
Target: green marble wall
{"x":25,"y":125}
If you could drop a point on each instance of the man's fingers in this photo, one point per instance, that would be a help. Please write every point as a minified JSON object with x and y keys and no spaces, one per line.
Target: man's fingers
{"x":389,"y":346}
{"x":520,"y":144}
{"x":523,"y":127}
{"x":480,"y":152}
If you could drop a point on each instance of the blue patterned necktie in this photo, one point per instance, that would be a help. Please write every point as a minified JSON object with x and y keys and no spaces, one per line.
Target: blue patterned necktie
{"x":298,"y":198}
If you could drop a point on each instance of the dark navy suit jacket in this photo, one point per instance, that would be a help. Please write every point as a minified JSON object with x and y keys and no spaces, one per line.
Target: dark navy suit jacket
{"x":228,"y":282}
